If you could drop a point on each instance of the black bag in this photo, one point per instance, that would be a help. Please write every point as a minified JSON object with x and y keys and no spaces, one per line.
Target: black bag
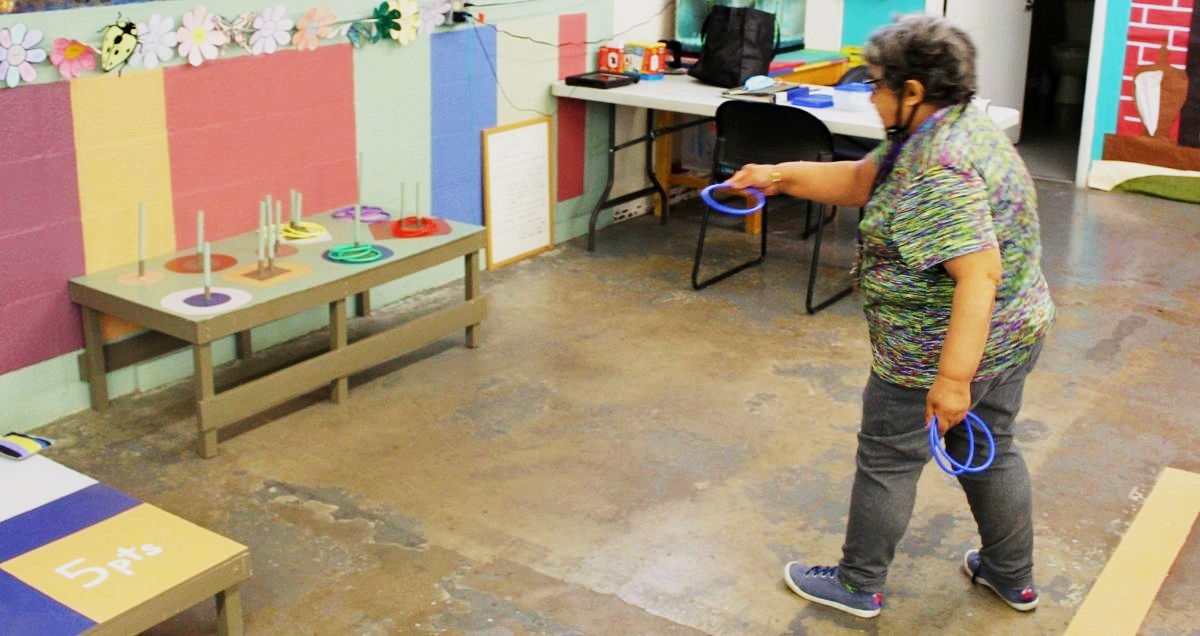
{"x":737,"y":43}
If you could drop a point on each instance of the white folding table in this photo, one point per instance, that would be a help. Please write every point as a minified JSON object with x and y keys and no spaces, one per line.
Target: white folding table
{"x":686,"y":95}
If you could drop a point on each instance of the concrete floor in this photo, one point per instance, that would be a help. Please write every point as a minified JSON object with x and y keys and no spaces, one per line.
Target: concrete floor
{"x":627,"y":456}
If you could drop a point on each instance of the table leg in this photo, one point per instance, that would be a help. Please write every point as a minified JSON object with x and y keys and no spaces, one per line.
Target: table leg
{"x":363,"y":304}
{"x":205,"y":389}
{"x":664,"y":200}
{"x":663,"y":156}
{"x":244,"y":345}
{"x":339,"y":389}
{"x":753,"y":223}
{"x":229,"y":612}
{"x":608,"y":184}
{"x":93,"y":355}
{"x":472,"y":285}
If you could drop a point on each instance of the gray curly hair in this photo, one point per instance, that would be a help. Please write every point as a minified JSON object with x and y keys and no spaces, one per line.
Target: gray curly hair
{"x":928,"y":49}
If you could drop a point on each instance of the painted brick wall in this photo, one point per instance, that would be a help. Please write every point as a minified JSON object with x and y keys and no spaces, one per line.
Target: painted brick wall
{"x":1152,"y":23}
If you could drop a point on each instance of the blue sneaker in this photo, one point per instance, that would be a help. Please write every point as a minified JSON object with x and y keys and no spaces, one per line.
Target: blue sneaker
{"x":1022,"y":599}
{"x":822,"y":585}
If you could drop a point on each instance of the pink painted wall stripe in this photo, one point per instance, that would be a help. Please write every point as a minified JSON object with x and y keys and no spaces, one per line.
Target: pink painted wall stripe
{"x":41,"y":243}
{"x":572,"y":114}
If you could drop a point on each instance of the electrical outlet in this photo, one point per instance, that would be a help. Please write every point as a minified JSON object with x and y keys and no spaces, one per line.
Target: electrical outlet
{"x":459,"y":10}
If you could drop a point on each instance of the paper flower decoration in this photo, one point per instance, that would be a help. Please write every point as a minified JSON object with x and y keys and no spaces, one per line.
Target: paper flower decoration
{"x":156,"y":42}
{"x":72,"y":57}
{"x":405,"y":29}
{"x":385,"y":20}
{"x":310,"y":29}
{"x":18,"y":54}
{"x":270,"y":30}
{"x":199,"y":37}
{"x":433,"y":16}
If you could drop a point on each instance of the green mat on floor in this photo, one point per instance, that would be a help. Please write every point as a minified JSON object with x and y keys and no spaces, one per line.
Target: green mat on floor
{"x":1164,"y":186}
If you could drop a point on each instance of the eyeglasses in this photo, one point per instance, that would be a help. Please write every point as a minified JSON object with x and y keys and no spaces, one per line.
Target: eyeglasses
{"x":873,"y":82}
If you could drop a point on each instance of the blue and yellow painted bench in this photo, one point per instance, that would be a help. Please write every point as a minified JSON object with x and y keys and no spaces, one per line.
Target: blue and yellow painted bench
{"x":77,"y":556}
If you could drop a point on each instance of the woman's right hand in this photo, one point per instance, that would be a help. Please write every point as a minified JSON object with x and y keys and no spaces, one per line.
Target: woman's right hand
{"x":755,"y":176}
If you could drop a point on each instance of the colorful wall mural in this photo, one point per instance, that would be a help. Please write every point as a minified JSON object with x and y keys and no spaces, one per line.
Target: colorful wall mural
{"x":79,"y":155}
{"x":1147,"y":127}
{"x":1155,"y":88}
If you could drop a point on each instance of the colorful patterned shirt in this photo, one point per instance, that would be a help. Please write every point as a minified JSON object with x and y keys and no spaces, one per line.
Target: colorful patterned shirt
{"x":957,"y":187}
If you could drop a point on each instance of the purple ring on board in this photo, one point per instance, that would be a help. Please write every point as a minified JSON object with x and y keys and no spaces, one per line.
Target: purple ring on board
{"x":214,"y":299}
{"x":370,"y":214}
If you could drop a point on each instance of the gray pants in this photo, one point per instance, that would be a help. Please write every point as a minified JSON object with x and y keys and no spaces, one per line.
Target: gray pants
{"x":893,"y":448}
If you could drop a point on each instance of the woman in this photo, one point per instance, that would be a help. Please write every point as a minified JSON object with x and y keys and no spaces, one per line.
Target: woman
{"x":956,"y":305}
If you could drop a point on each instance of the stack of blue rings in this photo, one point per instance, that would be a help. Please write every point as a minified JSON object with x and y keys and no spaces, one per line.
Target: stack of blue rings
{"x":947,"y":463}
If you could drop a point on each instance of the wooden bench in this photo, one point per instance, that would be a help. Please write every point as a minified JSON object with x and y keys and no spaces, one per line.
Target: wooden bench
{"x":77,"y":556}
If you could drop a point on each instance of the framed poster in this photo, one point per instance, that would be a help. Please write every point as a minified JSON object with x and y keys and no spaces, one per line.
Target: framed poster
{"x":518,"y":197}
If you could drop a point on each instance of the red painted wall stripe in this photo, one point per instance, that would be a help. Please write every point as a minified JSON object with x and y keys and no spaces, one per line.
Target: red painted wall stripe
{"x":572,"y":113}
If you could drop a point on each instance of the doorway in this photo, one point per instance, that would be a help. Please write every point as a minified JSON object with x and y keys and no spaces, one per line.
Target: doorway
{"x":1033,"y":55}
{"x":1059,"y":45}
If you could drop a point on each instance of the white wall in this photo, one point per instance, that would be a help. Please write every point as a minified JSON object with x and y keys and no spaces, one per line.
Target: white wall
{"x":823,"y":24}
{"x":631,"y":122}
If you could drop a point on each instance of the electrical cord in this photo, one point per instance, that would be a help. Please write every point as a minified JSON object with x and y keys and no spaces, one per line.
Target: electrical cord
{"x":518,"y":36}
{"x":492,"y":65}
{"x":496,"y":76}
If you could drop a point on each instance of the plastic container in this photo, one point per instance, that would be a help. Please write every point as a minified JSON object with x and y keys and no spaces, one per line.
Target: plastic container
{"x":812,"y":100}
{"x":647,"y":59}
{"x":852,"y":96}
{"x":611,"y":58}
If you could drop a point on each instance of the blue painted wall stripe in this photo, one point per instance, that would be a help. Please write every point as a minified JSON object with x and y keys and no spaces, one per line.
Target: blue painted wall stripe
{"x":462,"y":105}
{"x":24,"y":610}
{"x":1112,"y":67}
{"x":60,"y":518}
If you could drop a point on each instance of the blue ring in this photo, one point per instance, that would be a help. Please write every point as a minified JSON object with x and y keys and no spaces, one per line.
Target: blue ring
{"x":706,"y":195}
{"x":953,"y":467}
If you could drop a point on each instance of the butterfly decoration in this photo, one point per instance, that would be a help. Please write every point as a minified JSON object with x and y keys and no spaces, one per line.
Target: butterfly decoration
{"x":360,"y":33}
{"x":119,"y":42}
{"x":237,"y":30}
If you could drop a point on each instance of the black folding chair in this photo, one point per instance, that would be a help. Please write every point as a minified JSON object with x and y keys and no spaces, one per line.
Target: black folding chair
{"x":756,"y":132}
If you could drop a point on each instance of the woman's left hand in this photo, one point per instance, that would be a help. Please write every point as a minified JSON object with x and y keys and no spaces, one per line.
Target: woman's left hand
{"x":949,"y":400}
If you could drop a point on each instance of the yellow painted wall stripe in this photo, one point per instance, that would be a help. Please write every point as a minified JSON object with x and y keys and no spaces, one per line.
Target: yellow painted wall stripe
{"x":1125,"y":590}
{"x":122,"y":159}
